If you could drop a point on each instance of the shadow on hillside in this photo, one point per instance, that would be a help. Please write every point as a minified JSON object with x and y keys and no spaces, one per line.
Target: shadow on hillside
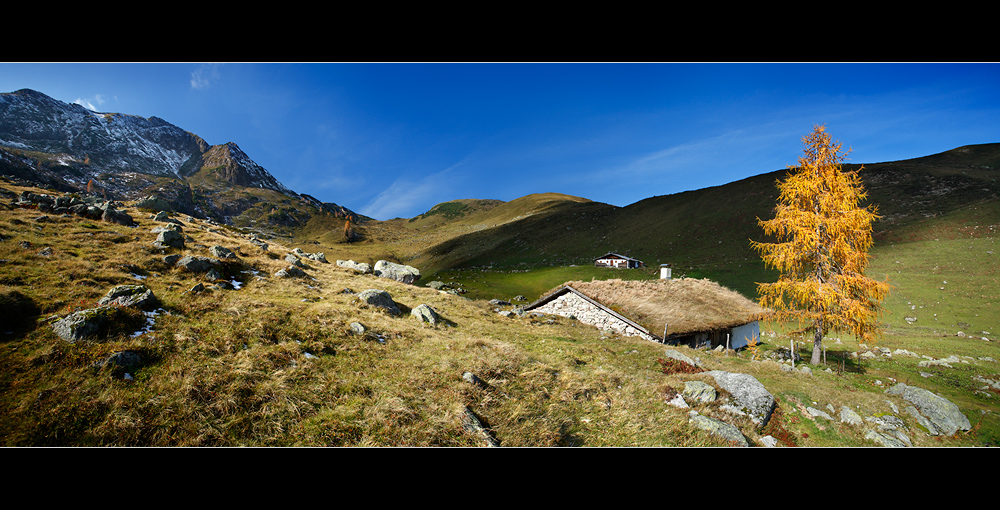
{"x":18,"y":314}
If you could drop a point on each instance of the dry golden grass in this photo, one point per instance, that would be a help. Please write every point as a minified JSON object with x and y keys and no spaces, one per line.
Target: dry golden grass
{"x":275,"y":363}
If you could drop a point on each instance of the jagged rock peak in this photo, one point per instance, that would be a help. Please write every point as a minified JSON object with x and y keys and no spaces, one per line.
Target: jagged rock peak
{"x":229,"y":162}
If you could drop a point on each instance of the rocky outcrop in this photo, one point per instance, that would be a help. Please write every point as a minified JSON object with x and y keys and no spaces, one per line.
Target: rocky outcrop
{"x":752,"y":398}
{"x":940,"y":415}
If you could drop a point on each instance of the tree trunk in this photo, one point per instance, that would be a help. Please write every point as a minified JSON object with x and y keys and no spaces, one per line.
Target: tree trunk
{"x":817,"y":344}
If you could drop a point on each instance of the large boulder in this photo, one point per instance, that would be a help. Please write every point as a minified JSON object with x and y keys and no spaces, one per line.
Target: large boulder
{"x":751,"y":396}
{"x":944,"y":417}
{"x":398,"y":272}
{"x":135,"y":296}
{"x":379,"y":299}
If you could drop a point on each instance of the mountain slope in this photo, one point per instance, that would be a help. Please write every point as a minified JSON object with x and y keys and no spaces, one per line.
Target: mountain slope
{"x":126,"y":157}
{"x":708,"y":230}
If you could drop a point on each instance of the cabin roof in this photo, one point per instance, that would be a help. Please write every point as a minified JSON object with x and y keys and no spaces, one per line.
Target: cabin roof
{"x":611,"y":255}
{"x":686,"y":305}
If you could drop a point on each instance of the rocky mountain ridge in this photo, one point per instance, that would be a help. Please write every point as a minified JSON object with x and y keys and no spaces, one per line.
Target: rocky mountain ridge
{"x":126,"y":157}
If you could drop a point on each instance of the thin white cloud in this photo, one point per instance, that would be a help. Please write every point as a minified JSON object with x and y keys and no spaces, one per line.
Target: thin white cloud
{"x":203,"y":76}
{"x":408,"y":197}
{"x":90,"y":102}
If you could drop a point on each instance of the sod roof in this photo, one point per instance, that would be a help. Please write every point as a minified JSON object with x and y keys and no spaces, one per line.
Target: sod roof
{"x":687,"y":305}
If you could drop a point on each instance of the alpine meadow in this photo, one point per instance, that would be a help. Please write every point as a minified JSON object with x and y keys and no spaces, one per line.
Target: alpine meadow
{"x":158,"y":291}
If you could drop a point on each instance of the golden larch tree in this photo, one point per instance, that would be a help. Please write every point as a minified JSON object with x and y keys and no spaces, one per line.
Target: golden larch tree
{"x":824,"y":236}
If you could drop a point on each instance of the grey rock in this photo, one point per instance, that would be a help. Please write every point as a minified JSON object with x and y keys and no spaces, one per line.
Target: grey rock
{"x":699,"y":391}
{"x":679,"y":356}
{"x":222,"y":252}
{"x":153,"y":203}
{"x":360,"y":267}
{"x":398,"y":272}
{"x":133,"y":296}
{"x":112,"y":215}
{"x":941,"y":412}
{"x":357,"y":328}
{"x":750,"y":394}
{"x":380,"y":299}
{"x":122,"y":363}
{"x":293,"y":260}
{"x":80,"y":325}
{"x":719,"y":428}
{"x":169,"y":239}
{"x":884,"y":439}
{"x":816,"y":413}
{"x":290,"y":272}
{"x":426,"y":314}
{"x":847,"y":415}
{"x":472,"y":424}
{"x":197,"y":264}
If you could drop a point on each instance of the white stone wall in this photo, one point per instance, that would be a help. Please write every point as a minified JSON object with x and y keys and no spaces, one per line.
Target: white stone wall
{"x":586,"y":312}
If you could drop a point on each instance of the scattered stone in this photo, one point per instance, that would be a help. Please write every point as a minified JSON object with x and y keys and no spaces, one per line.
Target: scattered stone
{"x":289,"y":272}
{"x":699,"y":391}
{"x":360,"y":267}
{"x":122,"y":363}
{"x":816,"y":413}
{"x":472,"y":424}
{"x":398,"y":272}
{"x":751,"y":396}
{"x":379,"y":299}
{"x":169,"y":239}
{"x":945,"y":416}
{"x":134,"y":296}
{"x":357,"y":328}
{"x":847,"y":415}
{"x":293,"y":260}
{"x":79,"y":325}
{"x":153,"y":203}
{"x":222,"y":252}
{"x":112,"y":215}
{"x":719,"y":428}
{"x":884,"y":440}
{"x":473,"y":379}
{"x":426,"y":314}
{"x":197,"y":264}
{"x":499,"y":302}
{"x":679,"y":356}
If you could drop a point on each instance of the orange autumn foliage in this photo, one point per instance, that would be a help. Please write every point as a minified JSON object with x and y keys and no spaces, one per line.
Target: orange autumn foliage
{"x":822,"y":255}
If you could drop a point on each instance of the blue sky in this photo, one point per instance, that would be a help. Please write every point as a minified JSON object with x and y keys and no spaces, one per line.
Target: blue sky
{"x":394,"y":139}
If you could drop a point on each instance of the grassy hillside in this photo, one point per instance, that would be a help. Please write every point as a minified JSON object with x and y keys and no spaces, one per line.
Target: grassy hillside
{"x":274,"y":362}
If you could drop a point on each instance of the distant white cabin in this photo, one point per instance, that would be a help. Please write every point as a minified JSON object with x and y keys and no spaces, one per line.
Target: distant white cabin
{"x":618,"y":261}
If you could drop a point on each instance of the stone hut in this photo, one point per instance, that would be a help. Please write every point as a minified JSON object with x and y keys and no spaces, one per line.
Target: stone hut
{"x":699,"y":313}
{"x":617,"y":261}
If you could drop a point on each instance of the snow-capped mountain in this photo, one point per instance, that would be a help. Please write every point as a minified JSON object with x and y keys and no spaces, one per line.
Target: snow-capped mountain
{"x":68,"y":147}
{"x":117,"y":143}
